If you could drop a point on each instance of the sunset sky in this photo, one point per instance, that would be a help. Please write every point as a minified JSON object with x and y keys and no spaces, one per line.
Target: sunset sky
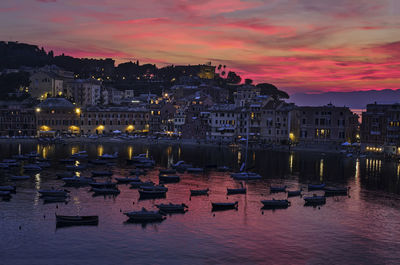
{"x":298,"y":45}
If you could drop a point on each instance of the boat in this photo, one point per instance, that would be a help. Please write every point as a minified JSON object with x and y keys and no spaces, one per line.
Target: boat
{"x":53,"y":193}
{"x":195,"y":170}
{"x":77,"y":181}
{"x":218,"y":206}
{"x":76,"y":220}
{"x":236,"y":191}
{"x":102,"y":173}
{"x":223,"y":169}
{"x":316,"y":186}
{"x":109,"y":156}
{"x":154,"y":187}
{"x":80,"y":154}
{"x":336,"y":191}
{"x":126,"y":180}
{"x":145,"y":165}
{"x":5,"y":193}
{"x":172,"y":208}
{"x":138,"y":184}
{"x":105,"y":191}
{"x":181,"y":166}
{"x":145,"y":216}
{"x":275,"y":204}
{"x":104,"y":185}
{"x":67,"y":161}
{"x":315,"y":200}
{"x":151,"y":193}
{"x":52,"y":199}
{"x":275,"y":189}
{"x":245,"y":176}
{"x":75,"y":167}
{"x":169,"y":178}
{"x":167,"y":171}
{"x":294,"y":193}
{"x":199,"y":192}
{"x":32,"y":167}
{"x":8,"y":188}
{"x":20,"y":177}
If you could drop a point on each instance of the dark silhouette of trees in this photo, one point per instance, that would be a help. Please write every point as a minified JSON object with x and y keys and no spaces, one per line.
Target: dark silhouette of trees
{"x":233,"y":78}
{"x":273,"y":91}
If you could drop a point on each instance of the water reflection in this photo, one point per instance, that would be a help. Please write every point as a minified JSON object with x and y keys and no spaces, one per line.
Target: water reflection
{"x":130,"y":152}
{"x":321,"y":170}
{"x":100,"y":150}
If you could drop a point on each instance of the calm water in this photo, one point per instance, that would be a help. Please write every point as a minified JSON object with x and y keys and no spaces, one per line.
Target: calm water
{"x":361,"y":229}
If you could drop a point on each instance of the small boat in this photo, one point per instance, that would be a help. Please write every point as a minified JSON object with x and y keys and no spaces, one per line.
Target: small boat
{"x":236,"y":191}
{"x":8,"y":188}
{"x":275,"y":204}
{"x":5,"y":193}
{"x":104,"y":191}
{"x":195,"y":170}
{"x":294,"y":193}
{"x":75,"y":167}
{"x":138,"y":172}
{"x":77,"y":181}
{"x":275,"y":189}
{"x":103,"y":185}
{"x":181,"y":166}
{"x":20,"y":177}
{"x":152,"y":193}
{"x":67,"y":161}
{"x":172,"y":208}
{"x":32,"y":167}
{"x":126,"y":180}
{"x":145,"y":216}
{"x":54,"y":193}
{"x":76,"y":220}
{"x":336,"y":191}
{"x":167,"y":171}
{"x":53,"y":199}
{"x":245,"y":176}
{"x":169,"y":178}
{"x":144,"y":165}
{"x":315,"y":200}
{"x":138,"y":184}
{"x":199,"y":192}
{"x":316,"y":186}
{"x":154,"y":188}
{"x":102,"y":173}
{"x":98,"y":162}
{"x":80,"y":155}
{"x":218,"y":206}
{"x":109,"y":156}
{"x":223,"y":169}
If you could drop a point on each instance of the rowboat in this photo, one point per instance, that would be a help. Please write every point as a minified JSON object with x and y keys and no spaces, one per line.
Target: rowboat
{"x":169,"y":178}
{"x":138,"y":172}
{"x":220,"y":206}
{"x":65,"y":220}
{"x":195,"y":170}
{"x":275,"y":189}
{"x":275,"y":204}
{"x":126,"y":180}
{"x":294,"y":193}
{"x":316,"y":186}
{"x":104,"y":185}
{"x":145,"y":216}
{"x":105,"y":191}
{"x":154,"y":187}
{"x":199,"y":192}
{"x":77,"y":181}
{"x":53,"y":193}
{"x":245,"y":176}
{"x":138,"y":184}
{"x":315,"y":200}
{"x":147,"y":194}
{"x":236,"y":191}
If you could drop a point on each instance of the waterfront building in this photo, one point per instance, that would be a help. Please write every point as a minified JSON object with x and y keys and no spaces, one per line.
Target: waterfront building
{"x":17,"y":119}
{"x":57,"y":116}
{"x":327,"y":125}
{"x":179,"y":120}
{"x":110,"y":119}
{"x":83,"y":92}
{"x":223,"y":122}
{"x":380,"y":128}
{"x":197,"y":120}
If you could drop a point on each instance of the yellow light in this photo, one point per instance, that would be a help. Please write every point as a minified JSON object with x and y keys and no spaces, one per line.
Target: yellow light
{"x":60,"y":93}
{"x":45,"y":128}
{"x":37,"y":109}
{"x":291,"y":136}
{"x":130,"y":128}
{"x":78,"y":111}
{"x":100,"y":127}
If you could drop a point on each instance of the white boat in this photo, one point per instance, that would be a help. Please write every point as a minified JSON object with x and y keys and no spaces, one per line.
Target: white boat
{"x":53,"y":193}
{"x":109,"y":156}
{"x":145,"y":216}
{"x":20,"y":177}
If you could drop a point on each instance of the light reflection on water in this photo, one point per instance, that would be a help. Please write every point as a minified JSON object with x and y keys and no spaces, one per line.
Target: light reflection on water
{"x":360,"y":229}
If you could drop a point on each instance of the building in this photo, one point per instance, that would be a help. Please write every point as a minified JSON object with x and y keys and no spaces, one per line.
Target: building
{"x":57,"y":116}
{"x":83,"y":92}
{"x":279,"y":123}
{"x":45,"y":84}
{"x":107,"y":120}
{"x":17,"y":119}
{"x":197,"y":120}
{"x":380,"y":128}
{"x":179,"y":120}
{"x":327,"y":125}
{"x":223,"y":122}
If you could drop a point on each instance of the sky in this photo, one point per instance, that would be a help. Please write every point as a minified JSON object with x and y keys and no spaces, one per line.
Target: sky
{"x":298,"y":45}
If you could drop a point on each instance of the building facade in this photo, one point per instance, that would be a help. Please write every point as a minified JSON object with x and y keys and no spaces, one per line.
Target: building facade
{"x":17,"y":120}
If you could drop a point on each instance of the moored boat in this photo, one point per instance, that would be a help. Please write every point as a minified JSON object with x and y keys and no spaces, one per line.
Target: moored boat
{"x":275,"y":189}
{"x":167,"y":171}
{"x":218,"y":206}
{"x":54,"y":193}
{"x":102,"y":173}
{"x":199,"y":192}
{"x":138,"y":184}
{"x":195,"y":170}
{"x":294,"y":193}
{"x":236,"y":191}
{"x":75,"y":167}
{"x":275,"y":204}
{"x":126,"y":180}
{"x":105,"y":191}
{"x":109,"y":156}
{"x":76,"y":220}
{"x":172,"y":208}
{"x":106,"y":185}
{"x":315,"y":200}
{"x":245,"y":176}
{"x":316,"y":186}
{"x":169,"y":178}
{"x":77,"y":181}
{"x":152,"y":193}
{"x":144,"y":216}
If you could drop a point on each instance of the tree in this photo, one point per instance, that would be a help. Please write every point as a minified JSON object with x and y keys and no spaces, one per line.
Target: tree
{"x":273,"y":91}
{"x":248,"y":81}
{"x":233,"y":78}
{"x":10,"y":83}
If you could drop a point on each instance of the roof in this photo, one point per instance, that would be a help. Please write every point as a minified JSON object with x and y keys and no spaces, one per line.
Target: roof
{"x":56,"y":103}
